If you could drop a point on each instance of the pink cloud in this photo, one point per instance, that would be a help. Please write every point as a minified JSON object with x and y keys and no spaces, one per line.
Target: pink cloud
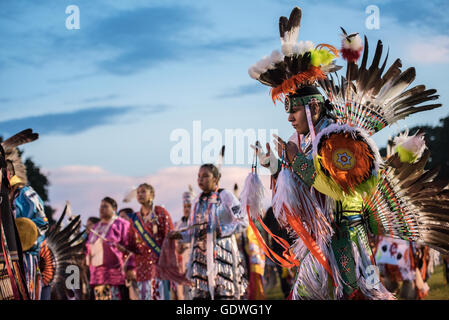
{"x":430,"y":50}
{"x":85,"y":186}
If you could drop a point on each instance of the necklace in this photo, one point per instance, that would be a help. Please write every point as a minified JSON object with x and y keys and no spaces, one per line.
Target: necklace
{"x":151,"y":218}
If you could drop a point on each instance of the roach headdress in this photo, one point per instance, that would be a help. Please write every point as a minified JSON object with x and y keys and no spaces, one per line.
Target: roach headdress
{"x":299,"y":64}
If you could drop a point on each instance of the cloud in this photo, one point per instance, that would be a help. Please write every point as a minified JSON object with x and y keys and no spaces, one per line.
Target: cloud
{"x":65,"y":123}
{"x":100,"y":99}
{"x":429,"y":50}
{"x":119,"y":41}
{"x":141,"y":37}
{"x":420,"y":14}
{"x":243,"y":90}
{"x":233,"y":44}
{"x":85,"y":186}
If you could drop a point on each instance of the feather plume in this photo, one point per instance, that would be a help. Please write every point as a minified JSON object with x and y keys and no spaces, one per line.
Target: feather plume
{"x":410,"y":148}
{"x":12,"y":156}
{"x":370,"y":99}
{"x":252,"y":196}
{"x":220,"y":159}
{"x":289,"y":29}
{"x":20,"y":138}
{"x":410,"y":202}
{"x":130,"y":195}
{"x":63,"y":245}
{"x":351,"y":46}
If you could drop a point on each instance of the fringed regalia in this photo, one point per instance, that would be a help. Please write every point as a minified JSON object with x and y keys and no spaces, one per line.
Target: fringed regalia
{"x":337,"y":189}
{"x":215,"y":264}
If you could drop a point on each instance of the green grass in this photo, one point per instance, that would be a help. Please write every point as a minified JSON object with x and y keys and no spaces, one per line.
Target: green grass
{"x":276,"y":292}
{"x":439,"y":289}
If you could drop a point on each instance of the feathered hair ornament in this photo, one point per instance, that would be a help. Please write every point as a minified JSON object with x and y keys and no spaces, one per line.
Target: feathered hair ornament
{"x":351,"y":46}
{"x":188,"y":196}
{"x":16,"y":168}
{"x":298,"y":64}
{"x":130,"y":195}
{"x":220,"y":159}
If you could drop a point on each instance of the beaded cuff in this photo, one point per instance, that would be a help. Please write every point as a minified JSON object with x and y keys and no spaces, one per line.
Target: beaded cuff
{"x":304,"y":168}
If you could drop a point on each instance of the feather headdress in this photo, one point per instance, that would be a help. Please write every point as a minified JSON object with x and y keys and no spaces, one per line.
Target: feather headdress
{"x":16,"y":168}
{"x":298,"y":64}
{"x":188,"y":196}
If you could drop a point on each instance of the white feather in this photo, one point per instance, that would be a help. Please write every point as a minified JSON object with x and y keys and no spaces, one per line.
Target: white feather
{"x":252,"y":196}
{"x":287,"y":49}
{"x":292,"y":35}
{"x":354,"y":44}
{"x":308,"y":45}
{"x":276,"y":57}
{"x":130,"y":195}
{"x":414,"y":144}
{"x":253,"y":73}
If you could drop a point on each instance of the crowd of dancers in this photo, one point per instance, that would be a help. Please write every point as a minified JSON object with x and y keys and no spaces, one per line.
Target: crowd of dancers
{"x":340,"y":210}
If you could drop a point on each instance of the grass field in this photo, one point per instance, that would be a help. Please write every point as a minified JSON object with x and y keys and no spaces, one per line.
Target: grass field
{"x":439,"y":289}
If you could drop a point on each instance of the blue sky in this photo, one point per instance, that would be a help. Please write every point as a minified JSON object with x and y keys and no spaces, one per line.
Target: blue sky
{"x":109,"y":94}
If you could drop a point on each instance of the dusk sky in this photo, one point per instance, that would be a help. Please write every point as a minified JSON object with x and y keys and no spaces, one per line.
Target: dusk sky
{"x":107,"y":98}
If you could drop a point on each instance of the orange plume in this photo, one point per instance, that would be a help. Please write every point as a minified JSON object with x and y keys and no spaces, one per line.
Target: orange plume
{"x":290,"y":85}
{"x":329,"y":47}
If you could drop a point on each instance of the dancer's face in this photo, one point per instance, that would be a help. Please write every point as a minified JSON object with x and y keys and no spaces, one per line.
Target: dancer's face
{"x":187,"y":208}
{"x":106,"y":211}
{"x":144,"y":196}
{"x":206,"y":180}
{"x":89,"y":226}
{"x":298,"y":117}
{"x":123,"y":215}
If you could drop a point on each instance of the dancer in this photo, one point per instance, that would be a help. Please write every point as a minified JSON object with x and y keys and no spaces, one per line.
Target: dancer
{"x":183,"y":249}
{"x":149,"y":227}
{"x":13,"y":283}
{"x":105,"y":254}
{"x":331,"y":186}
{"x":31,"y":221}
{"x":215,"y":264}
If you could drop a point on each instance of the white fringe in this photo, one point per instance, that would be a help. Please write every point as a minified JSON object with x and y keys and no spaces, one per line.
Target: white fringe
{"x":362,"y":262}
{"x":313,"y":276}
{"x":315,"y":215}
{"x":297,"y":197}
